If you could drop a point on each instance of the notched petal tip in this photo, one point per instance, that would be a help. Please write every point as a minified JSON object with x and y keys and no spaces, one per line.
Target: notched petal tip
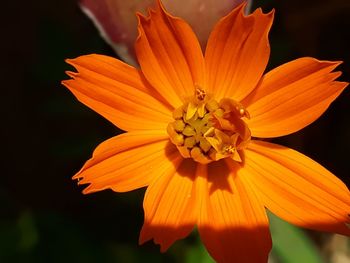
{"x":72,"y":61}
{"x":146,"y":238}
{"x":78,"y":175}
{"x":160,"y":235}
{"x":163,"y":247}
{"x":71,"y":74}
{"x":257,"y":12}
{"x":139,"y":17}
{"x":67,"y":83}
{"x":161,"y":9}
{"x":151,"y":12}
{"x":68,"y":60}
{"x":79,"y":179}
{"x":89,"y":190}
{"x":265,"y":18}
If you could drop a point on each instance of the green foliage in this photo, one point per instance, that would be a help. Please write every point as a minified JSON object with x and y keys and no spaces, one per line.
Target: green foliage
{"x":291,"y":244}
{"x":197,"y":254}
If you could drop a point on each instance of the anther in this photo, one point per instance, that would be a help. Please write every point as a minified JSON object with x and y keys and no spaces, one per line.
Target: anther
{"x":178,"y":113}
{"x":188,"y":131}
{"x":219,"y":112}
{"x":176,"y":138}
{"x":212,"y":105}
{"x":179,"y":125}
{"x":190,"y":142}
{"x":204,"y":145}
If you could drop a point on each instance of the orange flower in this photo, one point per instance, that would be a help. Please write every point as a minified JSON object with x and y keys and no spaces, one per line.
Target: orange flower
{"x":191,"y":123}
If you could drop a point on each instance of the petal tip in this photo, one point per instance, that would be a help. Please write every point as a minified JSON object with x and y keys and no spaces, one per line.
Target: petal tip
{"x":70,"y":74}
{"x":85,"y":191}
{"x":89,"y":190}
{"x":71,"y":61}
{"x":141,"y":19}
{"x":260,"y":12}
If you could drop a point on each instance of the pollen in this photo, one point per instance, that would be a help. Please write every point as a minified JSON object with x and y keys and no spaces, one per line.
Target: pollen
{"x":207,"y":130}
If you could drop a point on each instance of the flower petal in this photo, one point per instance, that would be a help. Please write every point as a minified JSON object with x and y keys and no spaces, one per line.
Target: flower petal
{"x":233,"y":223}
{"x":169,"y":205}
{"x":170,"y":55}
{"x":296,"y":188}
{"x":237,"y":53}
{"x":292,"y":96}
{"x":118,"y":92}
{"x":127,"y":161}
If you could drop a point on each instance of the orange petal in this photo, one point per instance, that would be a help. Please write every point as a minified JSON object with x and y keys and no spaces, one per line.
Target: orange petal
{"x":170,"y":55}
{"x":296,"y":188}
{"x":233,"y":223}
{"x":128,"y":161}
{"x":118,"y":92}
{"x":169,"y":205}
{"x":292,"y":96}
{"x":237,"y":53}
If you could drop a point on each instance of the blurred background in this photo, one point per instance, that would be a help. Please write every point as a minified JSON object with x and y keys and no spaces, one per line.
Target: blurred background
{"x":48,"y":136}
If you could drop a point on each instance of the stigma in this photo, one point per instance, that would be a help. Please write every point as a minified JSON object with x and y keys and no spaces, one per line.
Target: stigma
{"x":206,"y":130}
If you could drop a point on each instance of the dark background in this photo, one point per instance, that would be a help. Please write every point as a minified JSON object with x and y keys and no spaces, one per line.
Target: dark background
{"x":47,"y":135}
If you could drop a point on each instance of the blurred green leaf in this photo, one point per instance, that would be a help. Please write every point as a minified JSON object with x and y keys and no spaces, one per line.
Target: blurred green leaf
{"x":28,"y":232}
{"x":291,"y":244}
{"x":197,"y":253}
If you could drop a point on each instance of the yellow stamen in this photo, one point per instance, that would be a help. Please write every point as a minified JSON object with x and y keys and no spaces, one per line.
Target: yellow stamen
{"x":189,"y":131}
{"x":204,"y":145}
{"x":219,"y":112}
{"x":212,"y":105}
{"x":191,"y":111}
{"x":179,"y":125}
{"x":201,"y":110}
{"x":190,"y":142}
{"x":178,"y":113}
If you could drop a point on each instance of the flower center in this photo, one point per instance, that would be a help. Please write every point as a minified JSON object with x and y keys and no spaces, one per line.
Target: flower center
{"x":206,"y":130}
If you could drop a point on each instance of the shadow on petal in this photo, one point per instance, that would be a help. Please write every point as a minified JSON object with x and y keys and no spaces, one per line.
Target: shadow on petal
{"x":237,"y":244}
